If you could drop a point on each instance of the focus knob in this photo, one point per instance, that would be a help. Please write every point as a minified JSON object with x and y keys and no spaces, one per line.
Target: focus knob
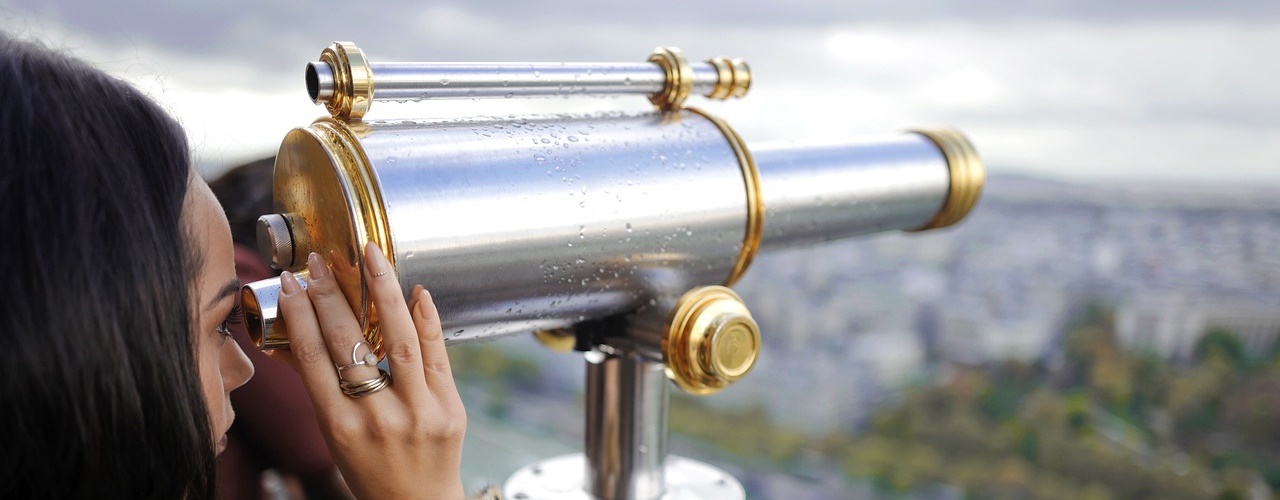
{"x":711,"y":342}
{"x":275,"y":242}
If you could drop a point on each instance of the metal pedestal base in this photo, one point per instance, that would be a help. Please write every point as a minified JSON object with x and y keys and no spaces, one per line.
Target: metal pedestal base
{"x":564,"y":477}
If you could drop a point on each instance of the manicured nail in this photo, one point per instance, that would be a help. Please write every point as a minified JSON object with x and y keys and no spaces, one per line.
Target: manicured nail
{"x":423,"y":299}
{"x":289,"y":284}
{"x":413,"y":298}
{"x":317,"y":267}
{"x":375,"y":261}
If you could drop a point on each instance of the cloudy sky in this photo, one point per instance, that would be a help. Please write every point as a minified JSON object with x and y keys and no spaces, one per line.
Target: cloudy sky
{"x":1074,"y":89}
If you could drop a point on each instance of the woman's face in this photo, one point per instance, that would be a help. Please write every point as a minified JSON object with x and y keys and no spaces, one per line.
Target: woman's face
{"x":223,"y":366}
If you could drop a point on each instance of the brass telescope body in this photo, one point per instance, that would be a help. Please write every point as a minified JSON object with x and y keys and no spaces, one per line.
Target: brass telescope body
{"x":612,"y":233}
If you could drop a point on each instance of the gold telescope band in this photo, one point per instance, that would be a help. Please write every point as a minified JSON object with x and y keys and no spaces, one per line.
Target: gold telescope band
{"x":352,"y":81}
{"x":733,"y":78}
{"x":679,"y":82}
{"x":967,"y":176}
{"x":755,"y":202}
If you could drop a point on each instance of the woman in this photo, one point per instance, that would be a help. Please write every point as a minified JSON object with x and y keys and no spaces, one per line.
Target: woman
{"x":119,"y":283}
{"x":275,"y":447}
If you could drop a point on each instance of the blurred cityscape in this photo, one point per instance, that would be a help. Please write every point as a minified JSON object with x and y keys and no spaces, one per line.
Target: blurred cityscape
{"x":1066,"y":341}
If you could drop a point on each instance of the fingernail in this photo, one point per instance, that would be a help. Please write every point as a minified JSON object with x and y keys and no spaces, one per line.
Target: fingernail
{"x":317,"y":267}
{"x":289,"y":284}
{"x":423,"y":299}
{"x":375,"y":261}
{"x":414,"y":297}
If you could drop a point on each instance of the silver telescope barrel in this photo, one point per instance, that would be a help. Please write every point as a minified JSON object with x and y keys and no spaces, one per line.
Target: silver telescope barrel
{"x":427,"y":81}
{"x":347,"y":83}
{"x":545,"y":222}
{"x":822,"y":192}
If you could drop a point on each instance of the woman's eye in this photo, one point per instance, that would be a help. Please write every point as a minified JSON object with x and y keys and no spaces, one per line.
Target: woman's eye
{"x":233,"y":318}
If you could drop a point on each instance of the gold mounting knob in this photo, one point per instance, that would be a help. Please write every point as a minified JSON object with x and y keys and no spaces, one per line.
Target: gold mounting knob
{"x":711,"y":341}
{"x":558,"y":340}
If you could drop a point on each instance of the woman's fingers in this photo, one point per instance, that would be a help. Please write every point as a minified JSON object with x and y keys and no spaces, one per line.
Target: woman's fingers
{"x":435,"y":360}
{"x":342,"y":332}
{"x":306,"y":343}
{"x":388,"y":447}
{"x":398,"y":339}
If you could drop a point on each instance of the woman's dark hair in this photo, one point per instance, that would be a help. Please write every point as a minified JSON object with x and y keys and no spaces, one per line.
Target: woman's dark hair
{"x":100,"y":395}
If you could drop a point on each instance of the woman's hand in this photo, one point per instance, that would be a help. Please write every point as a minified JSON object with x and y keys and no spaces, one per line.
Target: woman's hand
{"x":404,"y":441}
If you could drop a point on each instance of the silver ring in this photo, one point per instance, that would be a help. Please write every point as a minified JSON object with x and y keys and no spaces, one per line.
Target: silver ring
{"x":380,"y":274}
{"x":366,"y":387}
{"x":369,"y":359}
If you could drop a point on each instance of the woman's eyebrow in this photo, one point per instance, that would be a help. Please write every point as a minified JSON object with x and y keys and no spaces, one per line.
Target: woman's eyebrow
{"x":227,"y":290}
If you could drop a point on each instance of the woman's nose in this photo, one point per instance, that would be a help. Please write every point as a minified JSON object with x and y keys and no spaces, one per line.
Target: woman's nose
{"x":236,"y":367}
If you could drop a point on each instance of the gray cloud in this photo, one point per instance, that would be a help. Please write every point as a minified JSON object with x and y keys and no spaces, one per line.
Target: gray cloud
{"x":253,"y":30}
{"x":1090,"y":87}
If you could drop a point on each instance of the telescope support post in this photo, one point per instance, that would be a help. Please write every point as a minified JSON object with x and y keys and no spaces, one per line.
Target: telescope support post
{"x":626,"y":426}
{"x":626,"y":407}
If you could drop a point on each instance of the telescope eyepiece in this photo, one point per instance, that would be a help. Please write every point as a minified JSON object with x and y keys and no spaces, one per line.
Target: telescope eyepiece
{"x":319,"y":78}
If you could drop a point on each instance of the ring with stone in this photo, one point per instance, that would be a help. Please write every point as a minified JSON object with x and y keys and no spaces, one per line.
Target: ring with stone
{"x":369,"y":359}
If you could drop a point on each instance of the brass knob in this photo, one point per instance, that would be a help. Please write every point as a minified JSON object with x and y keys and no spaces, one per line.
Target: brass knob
{"x":275,"y":244}
{"x":711,"y":341}
{"x":558,"y":340}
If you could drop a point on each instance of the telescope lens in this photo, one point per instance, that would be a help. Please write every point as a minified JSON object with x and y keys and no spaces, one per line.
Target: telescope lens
{"x":319,"y":82}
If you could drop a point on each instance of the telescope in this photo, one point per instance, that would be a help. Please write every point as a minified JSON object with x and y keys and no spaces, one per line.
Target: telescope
{"x":614,"y":234}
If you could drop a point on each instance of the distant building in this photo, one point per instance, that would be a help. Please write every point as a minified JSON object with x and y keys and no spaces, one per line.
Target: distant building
{"x":1171,"y":324}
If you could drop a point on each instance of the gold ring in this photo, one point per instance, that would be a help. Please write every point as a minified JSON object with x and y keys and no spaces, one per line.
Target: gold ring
{"x":366,"y":387}
{"x":379,"y":274}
